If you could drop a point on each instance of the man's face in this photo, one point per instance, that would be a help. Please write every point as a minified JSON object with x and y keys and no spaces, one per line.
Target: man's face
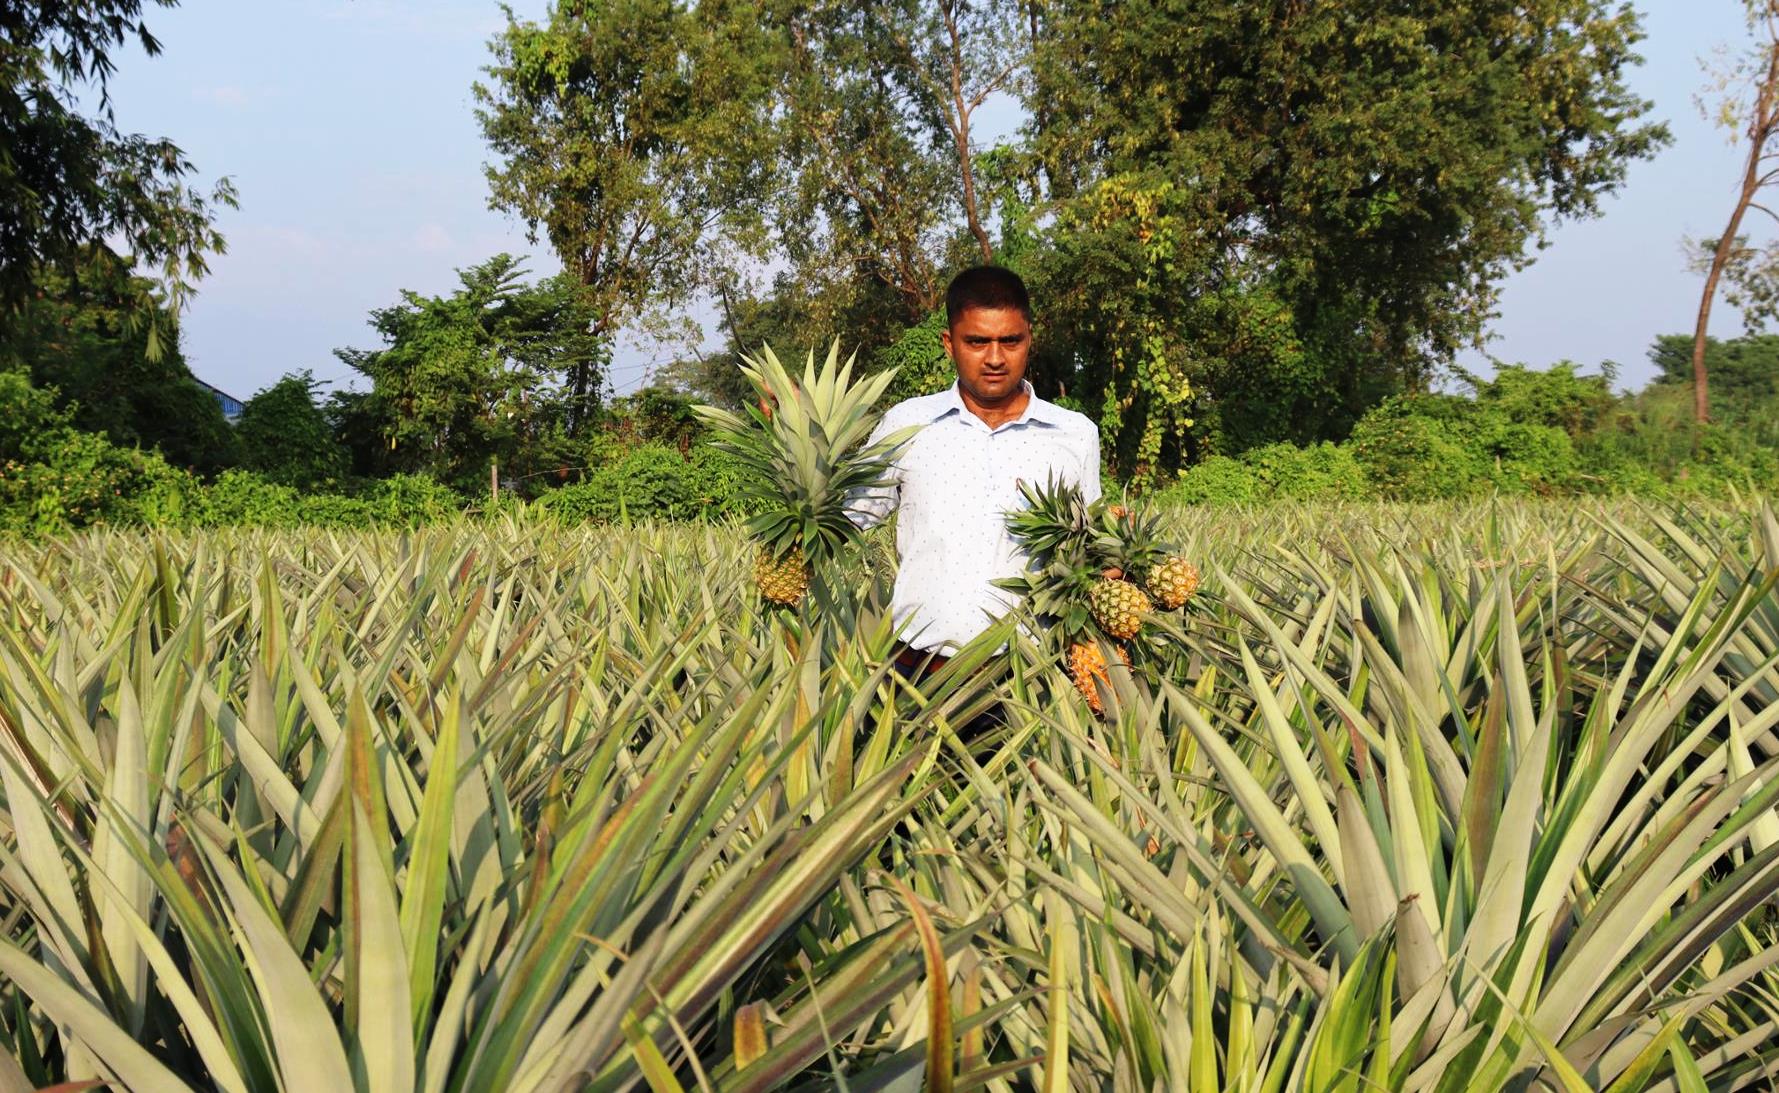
{"x":989,"y":347}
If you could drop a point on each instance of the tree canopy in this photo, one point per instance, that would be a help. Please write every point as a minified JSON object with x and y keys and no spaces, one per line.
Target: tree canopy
{"x":69,"y":179}
{"x":1321,"y":198}
{"x":487,"y":373}
{"x":82,"y":334}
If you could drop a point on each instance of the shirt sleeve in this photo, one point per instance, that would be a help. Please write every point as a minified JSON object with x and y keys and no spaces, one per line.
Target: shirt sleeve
{"x":871,"y":506}
{"x":1090,"y":471}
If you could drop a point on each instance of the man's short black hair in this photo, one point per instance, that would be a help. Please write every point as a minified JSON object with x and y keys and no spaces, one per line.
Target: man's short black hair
{"x":992,"y":287}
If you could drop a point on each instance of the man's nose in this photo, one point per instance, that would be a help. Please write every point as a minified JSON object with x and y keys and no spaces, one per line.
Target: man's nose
{"x":995,"y":354}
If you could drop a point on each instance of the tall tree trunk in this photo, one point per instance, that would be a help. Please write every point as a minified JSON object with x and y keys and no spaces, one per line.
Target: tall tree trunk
{"x":970,"y":213}
{"x":960,"y":132}
{"x":1726,"y":245}
{"x":1761,"y":124}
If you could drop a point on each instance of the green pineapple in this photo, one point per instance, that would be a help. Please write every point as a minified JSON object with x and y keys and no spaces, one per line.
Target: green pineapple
{"x":803,"y":449}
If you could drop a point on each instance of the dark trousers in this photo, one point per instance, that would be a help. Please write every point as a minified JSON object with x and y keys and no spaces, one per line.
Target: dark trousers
{"x":915,"y":665}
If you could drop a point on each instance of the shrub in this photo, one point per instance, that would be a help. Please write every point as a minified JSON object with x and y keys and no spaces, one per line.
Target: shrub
{"x":920,"y":356}
{"x":1322,"y":471}
{"x":1531,"y":458}
{"x":411,"y":500}
{"x":651,"y":481}
{"x":1218,"y":480}
{"x":88,"y":480}
{"x":1422,"y":447}
{"x":245,"y":499}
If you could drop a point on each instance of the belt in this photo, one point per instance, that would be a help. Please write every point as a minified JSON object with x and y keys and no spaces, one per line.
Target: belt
{"x":919,"y":660}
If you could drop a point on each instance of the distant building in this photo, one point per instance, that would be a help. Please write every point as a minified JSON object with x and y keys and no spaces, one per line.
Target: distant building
{"x":231,"y":406}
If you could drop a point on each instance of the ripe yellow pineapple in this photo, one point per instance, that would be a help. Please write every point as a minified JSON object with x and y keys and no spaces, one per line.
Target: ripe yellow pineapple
{"x":781,"y":578}
{"x":1173,"y":582}
{"x":1118,"y":606}
{"x":1087,"y":664}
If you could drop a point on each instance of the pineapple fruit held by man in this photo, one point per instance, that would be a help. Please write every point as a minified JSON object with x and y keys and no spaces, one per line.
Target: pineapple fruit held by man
{"x":953,"y":484}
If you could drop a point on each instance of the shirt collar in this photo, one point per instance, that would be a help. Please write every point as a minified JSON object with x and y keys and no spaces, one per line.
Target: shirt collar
{"x":1036,"y":409}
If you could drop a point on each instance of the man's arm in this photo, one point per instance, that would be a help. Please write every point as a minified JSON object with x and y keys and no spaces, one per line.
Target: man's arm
{"x":1090,"y":471}
{"x":872,"y":506}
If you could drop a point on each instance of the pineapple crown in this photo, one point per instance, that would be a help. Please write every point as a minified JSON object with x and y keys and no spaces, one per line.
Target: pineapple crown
{"x":803,"y":450}
{"x":1071,"y":544}
{"x":1060,"y":532}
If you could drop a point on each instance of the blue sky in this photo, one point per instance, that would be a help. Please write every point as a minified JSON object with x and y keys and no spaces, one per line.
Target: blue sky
{"x":348,"y":128}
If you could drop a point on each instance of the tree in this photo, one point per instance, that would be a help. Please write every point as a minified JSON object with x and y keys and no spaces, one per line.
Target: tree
{"x":633,"y":135}
{"x":1334,"y":187}
{"x":82,"y":333}
{"x":68,"y":180}
{"x":483,"y":374}
{"x":866,"y":209}
{"x":1750,"y":107}
{"x":961,"y":52}
{"x":285,"y":436}
{"x":884,"y":192}
{"x":1744,"y":374}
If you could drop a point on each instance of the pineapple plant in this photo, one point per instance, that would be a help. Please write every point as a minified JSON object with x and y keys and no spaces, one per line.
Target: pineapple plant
{"x":1098,"y":569}
{"x":1062,"y":534}
{"x":804,"y":452}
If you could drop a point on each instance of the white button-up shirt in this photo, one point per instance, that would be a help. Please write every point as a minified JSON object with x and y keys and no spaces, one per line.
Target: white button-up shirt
{"x":952,"y":486}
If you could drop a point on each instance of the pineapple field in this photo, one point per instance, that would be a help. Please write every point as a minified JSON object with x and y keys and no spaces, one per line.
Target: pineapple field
{"x":1415,"y":799}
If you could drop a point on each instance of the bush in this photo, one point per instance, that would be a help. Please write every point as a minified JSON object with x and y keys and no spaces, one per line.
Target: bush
{"x":1422,"y":447}
{"x":652,"y":482}
{"x":90,"y":481}
{"x":1320,"y":472}
{"x":410,"y":500}
{"x":919,"y":356}
{"x":245,"y":499}
{"x":1531,"y":458}
{"x":1218,"y":480}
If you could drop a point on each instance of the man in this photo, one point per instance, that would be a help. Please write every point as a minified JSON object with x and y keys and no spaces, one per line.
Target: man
{"x":955,"y":481}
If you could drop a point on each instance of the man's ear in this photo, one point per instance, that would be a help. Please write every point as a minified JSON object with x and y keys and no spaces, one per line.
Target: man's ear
{"x":945,"y":340}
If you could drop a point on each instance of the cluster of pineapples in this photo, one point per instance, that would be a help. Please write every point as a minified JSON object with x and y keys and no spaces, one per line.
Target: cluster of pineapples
{"x":1095,"y":567}
{"x":803,"y":448}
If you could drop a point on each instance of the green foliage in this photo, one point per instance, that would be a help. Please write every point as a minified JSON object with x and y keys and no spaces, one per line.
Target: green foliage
{"x":1242,"y":184}
{"x":245,"y":499}
{"x":918,"y":355}
{"x":652,"y":482}
{"x":1744,"y":377}
{"x":71,"y":180}
{"x":54,"y":477}
{"x":285,"y":437}
{"x":88,"y":480}
{"x":31,"y":423}
{"x":473,"y":377}
{"x":410,"y":500}
{"x":1320,"y":472}
{"x":624,"y":133}
{"x":82,"y":334}
{"x":1416,"y":447}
